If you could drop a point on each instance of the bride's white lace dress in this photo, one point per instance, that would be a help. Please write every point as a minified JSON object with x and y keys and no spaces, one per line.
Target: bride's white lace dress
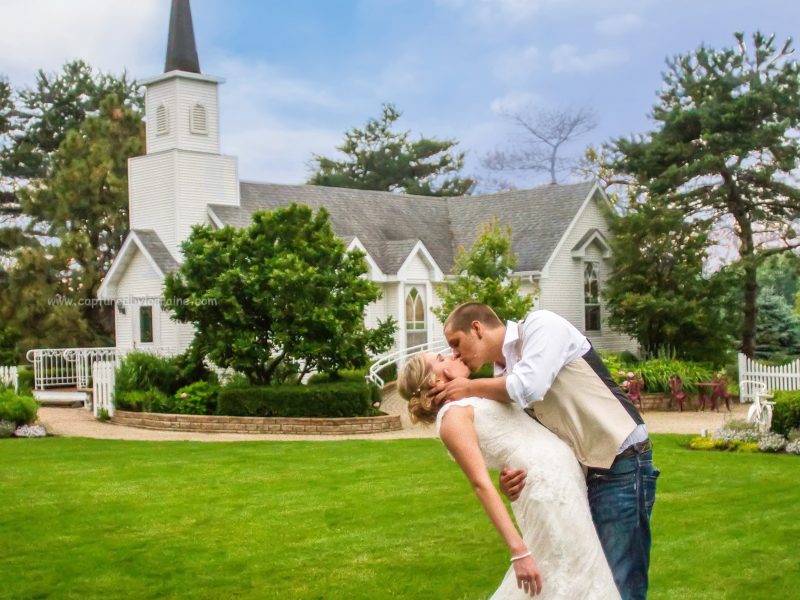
{"x":552,"y":511}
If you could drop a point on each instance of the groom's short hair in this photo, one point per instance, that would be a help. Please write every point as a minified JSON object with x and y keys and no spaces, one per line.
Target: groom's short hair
{"x":464,"y":314}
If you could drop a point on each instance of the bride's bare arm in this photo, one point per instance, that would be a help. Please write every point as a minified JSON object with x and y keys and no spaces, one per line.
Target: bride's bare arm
{"x":458,"y":434}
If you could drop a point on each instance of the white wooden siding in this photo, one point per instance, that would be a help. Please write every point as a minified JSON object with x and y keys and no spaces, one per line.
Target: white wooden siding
{"x":562,"y":289}
{"x":152,"y":192}
{"x":201,"y":179}
{"x":123,"y":329}
{"x":416,"y":268}
{"x":161,"y":93}
{"x":178,"y":95}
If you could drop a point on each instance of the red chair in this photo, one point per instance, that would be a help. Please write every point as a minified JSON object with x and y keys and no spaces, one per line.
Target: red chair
{"x":635,"y":392}
{"x":676,"y":392}
{"x":720,"y":392}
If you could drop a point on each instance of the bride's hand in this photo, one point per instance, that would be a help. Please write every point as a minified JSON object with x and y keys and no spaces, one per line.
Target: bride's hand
{"x":529,"y":578}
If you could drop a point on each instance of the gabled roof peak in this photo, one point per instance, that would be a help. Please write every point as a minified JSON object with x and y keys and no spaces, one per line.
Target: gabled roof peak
{"x":181,"y":49}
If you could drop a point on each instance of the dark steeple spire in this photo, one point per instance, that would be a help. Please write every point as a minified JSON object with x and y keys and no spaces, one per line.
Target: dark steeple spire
{"x":181,"y":50}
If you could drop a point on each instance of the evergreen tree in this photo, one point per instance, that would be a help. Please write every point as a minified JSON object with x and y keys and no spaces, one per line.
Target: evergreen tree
{"x":724,"y":148}
{"x":484,"y":274}
{"x":84,"y":202}
{"x":656,"y":291}
{"x":380,"y":158}
{"x":282,"y":291}
{"x":778,"y":331}
{"x":64,"y":146}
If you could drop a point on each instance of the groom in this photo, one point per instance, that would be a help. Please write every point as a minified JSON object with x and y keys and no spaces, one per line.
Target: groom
{"x":550,"y":369}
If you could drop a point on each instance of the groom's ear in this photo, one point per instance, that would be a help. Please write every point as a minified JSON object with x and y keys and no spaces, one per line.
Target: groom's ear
{"x":477,"y":329}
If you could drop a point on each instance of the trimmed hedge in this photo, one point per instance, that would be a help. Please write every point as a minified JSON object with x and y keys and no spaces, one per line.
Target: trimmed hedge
{"x":342,"y":399}
{"x":786,"y":412}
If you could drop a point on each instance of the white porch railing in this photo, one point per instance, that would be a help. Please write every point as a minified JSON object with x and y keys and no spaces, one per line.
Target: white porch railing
{"x":752,"y":373}
{"x":8,"y":377}
{"x":68,"y":367}
{"x":398,"y":357}
{"x":103,"y":379}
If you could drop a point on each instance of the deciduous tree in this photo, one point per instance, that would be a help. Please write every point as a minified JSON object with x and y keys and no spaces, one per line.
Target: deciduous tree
{"x":282,"y":290}
{"x":484,"y":274}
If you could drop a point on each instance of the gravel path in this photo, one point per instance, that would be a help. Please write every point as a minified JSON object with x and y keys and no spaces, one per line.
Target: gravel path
{"x":77,"y":422}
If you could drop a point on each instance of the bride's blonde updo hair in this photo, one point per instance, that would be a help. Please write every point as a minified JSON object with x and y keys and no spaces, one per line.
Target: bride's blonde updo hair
{"x":415,"y":380}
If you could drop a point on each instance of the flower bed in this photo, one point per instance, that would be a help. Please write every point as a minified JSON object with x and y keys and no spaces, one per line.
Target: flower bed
{"x":273,"y":425}
{"x":741,"y":436}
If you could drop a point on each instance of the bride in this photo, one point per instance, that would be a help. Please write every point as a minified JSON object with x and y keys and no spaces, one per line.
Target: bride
{"x":558,"y":554}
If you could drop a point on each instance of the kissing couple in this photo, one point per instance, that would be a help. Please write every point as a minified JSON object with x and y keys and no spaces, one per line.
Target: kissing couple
{"x":573,"y":452}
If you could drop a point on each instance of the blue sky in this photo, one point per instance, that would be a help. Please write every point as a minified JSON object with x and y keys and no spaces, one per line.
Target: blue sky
{"x":299,"y":73}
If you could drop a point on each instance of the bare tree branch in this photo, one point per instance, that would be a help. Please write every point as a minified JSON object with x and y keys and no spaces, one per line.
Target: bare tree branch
{"x":543,"y":135}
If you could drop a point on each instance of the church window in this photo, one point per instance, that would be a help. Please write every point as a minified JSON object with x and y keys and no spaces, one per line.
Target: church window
{"x":416,"y":330}
{"x":162,"y":120}
{"x":145,"y":324}
{"x":591,"y":296}
{"x":198,"y":119}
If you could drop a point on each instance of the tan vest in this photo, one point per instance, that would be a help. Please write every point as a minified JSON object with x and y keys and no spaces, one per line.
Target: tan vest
{"x":581,"y":410}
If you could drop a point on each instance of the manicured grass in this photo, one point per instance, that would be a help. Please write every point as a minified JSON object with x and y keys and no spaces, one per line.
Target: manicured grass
{"x":340,"y":520}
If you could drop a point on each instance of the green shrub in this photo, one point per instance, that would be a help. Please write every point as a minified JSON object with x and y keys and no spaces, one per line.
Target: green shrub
{"x":143,"y":371}
{"x":7,"y":428}
{"x":191,"y":367}
{"x":343,"y":399}
{"x":786,"y":413}
{"x":656,"y":374}
{"x":355,"y":375}
{"x":20,"y":410}
{"x":25,"y":381}
{"x":198,"y":398}
{"x":152,"y":400}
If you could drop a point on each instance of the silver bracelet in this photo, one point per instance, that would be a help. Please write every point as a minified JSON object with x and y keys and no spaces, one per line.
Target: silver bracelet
{"x":520,"y":557}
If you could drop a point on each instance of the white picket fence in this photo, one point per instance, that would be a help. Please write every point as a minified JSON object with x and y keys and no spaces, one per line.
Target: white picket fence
{"x":8,"y":377}
{"x":103,"y":379}
{"x":784,"y":377}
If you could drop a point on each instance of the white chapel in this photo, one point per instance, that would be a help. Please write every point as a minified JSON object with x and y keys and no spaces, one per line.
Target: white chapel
{"x":559,"y":232}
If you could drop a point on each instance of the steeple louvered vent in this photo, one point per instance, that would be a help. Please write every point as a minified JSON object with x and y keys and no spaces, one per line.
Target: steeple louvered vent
{"x":162,"y":120}
{"x":198,"y":119}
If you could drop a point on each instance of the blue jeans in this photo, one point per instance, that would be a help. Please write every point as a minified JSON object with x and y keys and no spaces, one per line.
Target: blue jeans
{"x":621,"y":499}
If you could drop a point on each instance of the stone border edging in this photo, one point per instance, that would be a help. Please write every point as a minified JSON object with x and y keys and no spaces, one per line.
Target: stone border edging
{"x":282,"y":425}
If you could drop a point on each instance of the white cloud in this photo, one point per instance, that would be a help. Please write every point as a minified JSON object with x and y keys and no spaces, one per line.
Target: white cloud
{"x":619,"y":24}
{"x":517,"y":66}
{"x":566,"y":58}
{"x":510,"y":11}
{"x":44,"y":34}
{"x":513,"y":102}
{"x":264,"y":123}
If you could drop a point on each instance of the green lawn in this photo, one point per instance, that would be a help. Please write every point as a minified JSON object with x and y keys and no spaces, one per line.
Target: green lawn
{"x":89,"y":519}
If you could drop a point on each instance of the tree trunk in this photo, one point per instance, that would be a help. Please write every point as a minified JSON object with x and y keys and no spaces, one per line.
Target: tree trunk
{"x":750,"y":307}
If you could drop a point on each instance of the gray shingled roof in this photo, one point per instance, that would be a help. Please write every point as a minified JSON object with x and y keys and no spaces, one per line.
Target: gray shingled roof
{"x":390,"y":224}
{"x":157,"y":250}
{"x":538,"y":218}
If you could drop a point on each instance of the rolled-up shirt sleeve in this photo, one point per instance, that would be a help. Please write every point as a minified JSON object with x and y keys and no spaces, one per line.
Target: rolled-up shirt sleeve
{"x":548,"y":343}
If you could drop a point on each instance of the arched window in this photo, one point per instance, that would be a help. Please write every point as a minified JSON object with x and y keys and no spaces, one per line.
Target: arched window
{"x":416,"y":330}
{"x":591,"y":297}
{"x":162,"y":120}
{"x":198,"y":121}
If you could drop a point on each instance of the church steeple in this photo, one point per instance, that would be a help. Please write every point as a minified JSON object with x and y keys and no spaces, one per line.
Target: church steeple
{"x":181,"y":49}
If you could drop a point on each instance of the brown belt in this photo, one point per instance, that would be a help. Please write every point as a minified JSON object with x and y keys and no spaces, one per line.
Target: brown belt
{"x":635,"y":449}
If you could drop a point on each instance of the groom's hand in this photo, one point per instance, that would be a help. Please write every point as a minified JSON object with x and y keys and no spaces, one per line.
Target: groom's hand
{"x":511,"y":482}
{"x":455,"y":389}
